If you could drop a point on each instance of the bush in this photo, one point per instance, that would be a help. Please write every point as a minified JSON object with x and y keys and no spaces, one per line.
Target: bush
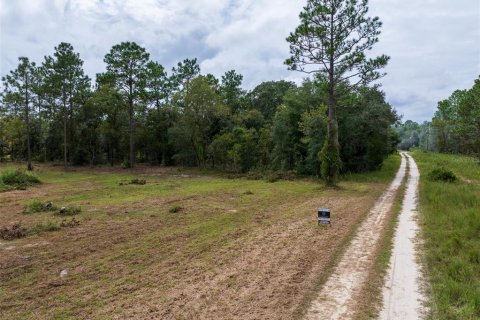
{"x":39,"y":206}
{"x":442,"y":174}
{"x":175,"y":209}
{"x":140,"y":182}
{"x":70,"y":211}
{"x":18,"y":179}
{"x":70,"y":224}
{"x":14,"y":232}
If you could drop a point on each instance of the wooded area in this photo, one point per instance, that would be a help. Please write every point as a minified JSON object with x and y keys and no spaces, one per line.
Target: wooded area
{"x":455,"y":128}
{"x":137,"y":112}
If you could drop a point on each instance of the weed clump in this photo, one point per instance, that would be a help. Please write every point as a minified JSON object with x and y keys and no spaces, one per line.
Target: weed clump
{"x":49,"y":226}
{"x":175,"y":209}
{"x":18,"y":179}
{"x":140,"y":182}
{"x":16,"y":231}
{"x":39,"y":206}
{"x":70,"y":211}
{"x":280,"y":175}
{"x":69,"y":224}
{"x":442,"y":174}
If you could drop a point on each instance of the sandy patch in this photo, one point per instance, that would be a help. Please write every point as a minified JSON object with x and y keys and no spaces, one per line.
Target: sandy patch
{"x":402,"y":296}
{"x":337,"y":299}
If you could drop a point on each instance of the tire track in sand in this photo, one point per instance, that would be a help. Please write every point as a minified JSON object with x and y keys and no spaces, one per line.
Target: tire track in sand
{"x":402,"y":295}
{"x":337,"y":298}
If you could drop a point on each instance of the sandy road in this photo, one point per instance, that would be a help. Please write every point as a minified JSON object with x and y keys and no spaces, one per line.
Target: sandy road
{"x":337,"y":299}
{"x":402,"y":296}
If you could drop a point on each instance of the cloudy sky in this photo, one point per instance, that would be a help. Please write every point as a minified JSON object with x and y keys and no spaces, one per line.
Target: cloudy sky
{"x":434,"y":44}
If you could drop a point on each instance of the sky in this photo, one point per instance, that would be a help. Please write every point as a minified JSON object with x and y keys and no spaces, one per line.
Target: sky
{"x":434,"y":45}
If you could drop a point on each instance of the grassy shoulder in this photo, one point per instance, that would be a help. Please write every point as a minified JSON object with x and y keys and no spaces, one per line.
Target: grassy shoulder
{"x":450,"y":221}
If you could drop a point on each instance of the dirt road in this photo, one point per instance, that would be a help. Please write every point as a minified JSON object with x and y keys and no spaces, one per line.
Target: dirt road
{"x":402,"y":296}
{"x":337,"y":299}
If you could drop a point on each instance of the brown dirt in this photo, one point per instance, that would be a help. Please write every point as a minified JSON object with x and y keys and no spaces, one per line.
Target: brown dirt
{"x":124,"y":268}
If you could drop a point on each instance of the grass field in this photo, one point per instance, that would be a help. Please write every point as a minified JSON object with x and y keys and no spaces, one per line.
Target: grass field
{"x":451,"y":227}
{"x":185,"y":245}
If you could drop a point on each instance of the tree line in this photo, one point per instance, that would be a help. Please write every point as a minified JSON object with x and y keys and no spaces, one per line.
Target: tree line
{"x":137,"y":111}
{"x":457,"y":122}
{"x":455,"y":127}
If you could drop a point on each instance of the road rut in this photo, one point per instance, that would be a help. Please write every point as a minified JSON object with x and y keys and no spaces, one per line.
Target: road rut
{"x":337,"y":299}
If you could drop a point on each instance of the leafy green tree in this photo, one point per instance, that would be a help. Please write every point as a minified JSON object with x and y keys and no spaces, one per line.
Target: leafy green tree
{"x":268,"y":96}
{"x":115,"y":119}
{"x":365,"y":127}
{"x":67,"y":85}
{"x":198,"y":123}
{"x":19,"y":86}
{"x":445,"y":122}
{"x":314,"y":128}
{"x":331,"y":42}
{"x":127,"y":63}
{"x":469,"y":112}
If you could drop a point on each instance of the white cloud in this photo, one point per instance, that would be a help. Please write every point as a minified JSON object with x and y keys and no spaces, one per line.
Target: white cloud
{"x":434,"y":44}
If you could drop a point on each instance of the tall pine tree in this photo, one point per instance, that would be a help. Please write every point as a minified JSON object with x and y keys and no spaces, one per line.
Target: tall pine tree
{"x":331,"y":42}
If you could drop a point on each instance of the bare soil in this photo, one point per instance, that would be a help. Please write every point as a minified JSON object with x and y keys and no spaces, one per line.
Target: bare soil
{"x":136,"y":260}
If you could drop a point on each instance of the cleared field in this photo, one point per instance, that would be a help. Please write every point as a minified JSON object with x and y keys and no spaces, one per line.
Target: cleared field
{"x":235,"y":248}
{"x":450,"y":214}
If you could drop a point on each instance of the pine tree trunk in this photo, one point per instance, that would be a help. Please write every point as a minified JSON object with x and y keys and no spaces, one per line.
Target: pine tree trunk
{"x":65,"y":164}
{"x":27,"y":118}
{"x":131,"y":133}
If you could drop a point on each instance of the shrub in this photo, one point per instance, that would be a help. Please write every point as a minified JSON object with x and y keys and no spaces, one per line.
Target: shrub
{"x":442,"y":174}
{"x":175,"y":209}
{"x":133,"y":181}
{"x":39,"y":206}
{"x":70,"y":211}
{"x":69,"y":224}
{"x":18,"y":179}
{"x":14,"y":232}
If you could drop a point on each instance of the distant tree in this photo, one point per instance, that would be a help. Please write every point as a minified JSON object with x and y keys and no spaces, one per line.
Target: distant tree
{"x":184,"y":73}
{"x":67,"y":85}
{"x":198,"y":122}
{"x":268,"y":96}
{"x":19,"y":89}
{"x":126,"y":62}
{"x":331,"y":42}
{"x":468,"y":126}
{"x":157,"y":84}
{"x":231,"y":90}
{"x":446,"y":122}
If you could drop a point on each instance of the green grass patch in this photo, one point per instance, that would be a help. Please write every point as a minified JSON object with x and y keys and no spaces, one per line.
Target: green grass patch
{"x":17,"y":179}
{"x":48,"y":226}
{"x":450,"y":216}
{"x":68,"y":211}
{"x":39,"y":206}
